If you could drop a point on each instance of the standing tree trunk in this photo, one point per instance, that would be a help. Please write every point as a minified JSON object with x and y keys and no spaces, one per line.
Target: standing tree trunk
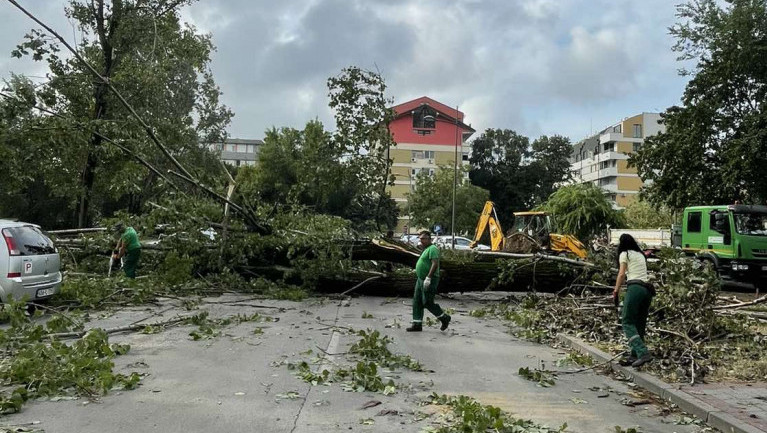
{"x":100,"y":104}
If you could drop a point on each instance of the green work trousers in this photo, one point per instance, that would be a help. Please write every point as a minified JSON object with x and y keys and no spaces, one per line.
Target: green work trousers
{"x":131,"y":262}
{"x":636,"y":308}
{"x":425,"y":299}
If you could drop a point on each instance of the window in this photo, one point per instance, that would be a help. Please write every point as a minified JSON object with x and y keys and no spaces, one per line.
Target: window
{"x":424,"y":117}
{"x":693,"y":222}
{"x":417,"y":154}
{"x":428,"y":154}
{"x":637,"y":130}
{"x":231,"y":148}
{"x":609,"y":147}
{"x":618,"y":128}
{"x":465,"y":157}
{"x":637,"y":146}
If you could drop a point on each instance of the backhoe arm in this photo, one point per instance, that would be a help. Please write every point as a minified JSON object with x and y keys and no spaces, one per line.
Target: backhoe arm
{"x":489,"y":218}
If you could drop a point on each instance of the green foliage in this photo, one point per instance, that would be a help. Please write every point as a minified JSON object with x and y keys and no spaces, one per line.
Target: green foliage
{"x":362,"y":116}
{"x":582,"y":210}
{"x":148,"y":54}
{"x":544,"y":378}
{"x":518,"y":175}
{"x":45,"y":369}
{"x":208,"y":328}
{"x":307,"y":169}
{"x":373,"y":346}
{"x":576,"y":358}
{"x":714,"y":149}
{"x":640,"y":214}
{"x":473,"y":417}
{"x":432,"y":201}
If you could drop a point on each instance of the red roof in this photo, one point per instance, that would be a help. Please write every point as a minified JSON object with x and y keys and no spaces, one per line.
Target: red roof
{"x":406,"y":108}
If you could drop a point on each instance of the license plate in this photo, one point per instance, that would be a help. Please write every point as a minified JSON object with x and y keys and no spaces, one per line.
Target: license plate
{"x":44,"y":292}
{"x":764,"y":268}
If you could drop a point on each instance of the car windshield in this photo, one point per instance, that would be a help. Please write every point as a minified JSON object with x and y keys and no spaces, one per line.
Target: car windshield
{"x":751,"y":224}
{"x":30,"y":241}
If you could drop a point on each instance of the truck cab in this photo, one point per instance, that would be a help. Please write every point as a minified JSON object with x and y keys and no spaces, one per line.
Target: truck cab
{"x":733,"y":238}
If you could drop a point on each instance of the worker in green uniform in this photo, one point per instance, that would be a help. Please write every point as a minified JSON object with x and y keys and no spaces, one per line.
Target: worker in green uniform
{"x":427,"y":273}
{"x":636,"y":304}
{"x":128,"y":247}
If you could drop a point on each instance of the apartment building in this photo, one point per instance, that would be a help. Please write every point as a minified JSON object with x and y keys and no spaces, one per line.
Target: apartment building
{"x":237,"y":152}
{"x":428,"y":134}
{"x":602,"y":158}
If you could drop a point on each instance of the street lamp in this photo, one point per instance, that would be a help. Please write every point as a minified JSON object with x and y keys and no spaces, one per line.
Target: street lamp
{"x":431,"y":118}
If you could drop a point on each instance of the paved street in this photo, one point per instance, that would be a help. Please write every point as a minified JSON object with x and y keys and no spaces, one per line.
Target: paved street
{"x":239,"y":381}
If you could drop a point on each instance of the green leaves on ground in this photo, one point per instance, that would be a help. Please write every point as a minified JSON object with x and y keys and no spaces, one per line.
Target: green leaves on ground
{"x":373,"y":350}
{"x":544,"y":378}
{"x":470,"y":416}
{"x":373,"y":347}
{"x":40,"y":368}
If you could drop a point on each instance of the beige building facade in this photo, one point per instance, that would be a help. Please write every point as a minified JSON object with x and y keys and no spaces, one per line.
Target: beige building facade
{"x":602,"y":159}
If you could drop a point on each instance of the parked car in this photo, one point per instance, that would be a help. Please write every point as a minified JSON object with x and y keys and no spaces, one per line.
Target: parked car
{"x":461,"y":243}
{"x":30,"y":266}
{"x":411,"y":239}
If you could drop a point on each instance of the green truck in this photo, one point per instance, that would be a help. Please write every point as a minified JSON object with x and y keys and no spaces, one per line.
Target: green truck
{"x":732,"y":237}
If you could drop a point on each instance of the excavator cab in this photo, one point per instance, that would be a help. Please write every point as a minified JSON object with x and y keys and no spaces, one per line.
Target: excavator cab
{"x":537,"y":225}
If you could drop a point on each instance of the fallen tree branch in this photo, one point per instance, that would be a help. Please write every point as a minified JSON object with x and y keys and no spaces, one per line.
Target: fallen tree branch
{"x":110,"y":331}
{"x":741,"y":304}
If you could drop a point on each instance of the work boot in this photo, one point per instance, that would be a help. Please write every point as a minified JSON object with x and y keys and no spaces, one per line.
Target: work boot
{"x":415,"y":327}
{"x":642,"y":360}
{"x":445,"y":321}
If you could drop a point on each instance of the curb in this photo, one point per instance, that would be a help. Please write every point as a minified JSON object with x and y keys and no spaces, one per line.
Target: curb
{"x":686,"y":402}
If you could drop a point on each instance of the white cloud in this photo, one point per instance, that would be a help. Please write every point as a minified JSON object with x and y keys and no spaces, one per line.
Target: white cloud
{"x":536,"y":66}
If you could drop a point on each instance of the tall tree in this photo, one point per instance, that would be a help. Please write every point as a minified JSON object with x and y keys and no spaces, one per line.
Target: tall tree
{"x":582,"y":210}
{"x":306,"y":168}
{"x":431,"y":203}
{"x":363,"y":115}
{"x":161,"y":66}
{"x":714,"y":149}
{"x":518,"y":174}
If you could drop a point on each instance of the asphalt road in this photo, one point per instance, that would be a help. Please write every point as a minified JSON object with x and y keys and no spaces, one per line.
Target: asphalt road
{"x":239,"y":381}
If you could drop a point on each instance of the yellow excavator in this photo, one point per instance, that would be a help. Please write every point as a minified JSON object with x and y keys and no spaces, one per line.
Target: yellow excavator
{"x":532,"y":231}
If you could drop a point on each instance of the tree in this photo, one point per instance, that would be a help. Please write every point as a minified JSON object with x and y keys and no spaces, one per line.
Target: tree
{"x":363,"y":115}
{"x":640,"y":214}
{"x":142,"y":48}
{"x":305,"y":168}
{"x":582,"y":210}
{"x":432,"y":201}
{"x":519,"y":175}
{"x":714,"y":149}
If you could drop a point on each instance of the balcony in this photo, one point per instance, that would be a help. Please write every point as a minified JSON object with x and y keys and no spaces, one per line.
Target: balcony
{"x":610,"y":136}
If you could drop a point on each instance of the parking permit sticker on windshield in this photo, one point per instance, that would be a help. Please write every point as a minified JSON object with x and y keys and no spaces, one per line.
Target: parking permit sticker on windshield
{"x":27,"y":266}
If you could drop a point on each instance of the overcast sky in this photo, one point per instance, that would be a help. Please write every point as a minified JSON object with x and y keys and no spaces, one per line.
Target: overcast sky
{"x":536,"y":66}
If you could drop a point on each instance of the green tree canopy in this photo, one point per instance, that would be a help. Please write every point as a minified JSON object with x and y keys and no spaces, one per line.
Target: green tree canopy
{"x":159,"y":64}
{"x":582,"y":210}
{"x":432,"y":201}
{"x":640,"y":214}
{"x":518,"y":174}
{"x":714,"y":149}
{"x":305,"y":168}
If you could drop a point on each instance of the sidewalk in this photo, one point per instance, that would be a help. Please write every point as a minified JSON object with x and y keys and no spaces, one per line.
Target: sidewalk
{"x":730,"y":407}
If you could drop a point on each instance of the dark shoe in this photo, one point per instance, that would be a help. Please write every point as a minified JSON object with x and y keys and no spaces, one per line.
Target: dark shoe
{"x":415,"y":327}
{"x":642,"y":360}
{"x":626,"y":361}
{"x":445,"y":321}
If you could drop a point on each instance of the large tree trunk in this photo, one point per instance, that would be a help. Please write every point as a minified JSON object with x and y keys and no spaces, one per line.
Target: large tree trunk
{"x":100,"y":105}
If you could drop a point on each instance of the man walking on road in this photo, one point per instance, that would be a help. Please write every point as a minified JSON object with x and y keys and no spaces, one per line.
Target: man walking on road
{"x":130,"y":247}
{"x":427,"y":273}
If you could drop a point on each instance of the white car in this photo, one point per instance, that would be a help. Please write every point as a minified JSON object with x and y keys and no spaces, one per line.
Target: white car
{"x":461,"y":243}
{"x":29,"y":263}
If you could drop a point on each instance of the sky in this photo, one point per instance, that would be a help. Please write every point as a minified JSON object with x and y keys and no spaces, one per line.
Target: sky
{"x":538,"y":67}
